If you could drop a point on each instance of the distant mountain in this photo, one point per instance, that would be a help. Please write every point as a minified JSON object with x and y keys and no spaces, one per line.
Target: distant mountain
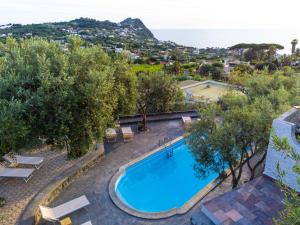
{"x":88,"y":28}
{"x":138,"y":25}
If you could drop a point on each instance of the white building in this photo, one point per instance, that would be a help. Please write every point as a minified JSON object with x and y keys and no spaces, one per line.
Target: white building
{"x":118,"y":50}
{"x":284,"y":126}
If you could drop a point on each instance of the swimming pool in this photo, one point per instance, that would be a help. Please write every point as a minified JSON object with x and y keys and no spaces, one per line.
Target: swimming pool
{"x":161,"y":182}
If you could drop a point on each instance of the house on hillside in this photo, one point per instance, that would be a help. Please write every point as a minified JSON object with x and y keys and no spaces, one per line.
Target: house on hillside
{"x":118,"y":50}
{"x":133,"y":56}
{"x":260,"y":200}
{"x":231,"y":64}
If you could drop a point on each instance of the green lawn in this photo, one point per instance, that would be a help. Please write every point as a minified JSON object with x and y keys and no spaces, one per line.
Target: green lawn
{"x":146,"y":68}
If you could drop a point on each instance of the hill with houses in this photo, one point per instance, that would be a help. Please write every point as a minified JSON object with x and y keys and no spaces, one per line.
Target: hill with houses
{"x":130,"y":34}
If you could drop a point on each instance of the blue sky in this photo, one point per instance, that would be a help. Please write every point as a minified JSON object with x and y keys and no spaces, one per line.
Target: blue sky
{"x":160,"y":13}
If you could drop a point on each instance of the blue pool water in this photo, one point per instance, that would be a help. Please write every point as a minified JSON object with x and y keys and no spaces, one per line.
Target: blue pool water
{"x":158,"y":183}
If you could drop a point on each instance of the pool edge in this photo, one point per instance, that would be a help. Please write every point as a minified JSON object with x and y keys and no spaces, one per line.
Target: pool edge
{"x":160,"y":215}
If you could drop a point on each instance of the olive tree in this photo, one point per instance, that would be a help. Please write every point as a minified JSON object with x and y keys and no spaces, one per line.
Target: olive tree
{"x":126,"y":86}
{"x":242,"y":133}
{"x":13,"y":128}
{"x":158,"y":92}
{"x":66,"y":96}
{"x":213,"y":144}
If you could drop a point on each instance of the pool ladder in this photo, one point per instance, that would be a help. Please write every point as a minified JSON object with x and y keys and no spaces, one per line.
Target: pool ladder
{"x":170,"y":152}
{"x":164,"y":141}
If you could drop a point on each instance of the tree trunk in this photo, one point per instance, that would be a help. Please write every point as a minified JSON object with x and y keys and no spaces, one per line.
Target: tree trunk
{"x":234,"y":181}
{"x":142,"y":109}
{"x":236,"y":177}
{"x":67,"y":145}
{"x":144,"y":122}
{"x":252,"y":169}
{"x":249,"y":165}
{"x":240,"y":173}
{"x":257,"y":164}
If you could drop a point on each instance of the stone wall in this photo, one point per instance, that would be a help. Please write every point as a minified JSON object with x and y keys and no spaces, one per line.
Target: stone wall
{"x":284,"y":126}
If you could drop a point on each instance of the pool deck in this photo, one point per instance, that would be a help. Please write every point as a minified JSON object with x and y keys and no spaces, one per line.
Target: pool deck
{"x":256,"y":202}
{"x":19,"y":194}
{"x":94,"y":184}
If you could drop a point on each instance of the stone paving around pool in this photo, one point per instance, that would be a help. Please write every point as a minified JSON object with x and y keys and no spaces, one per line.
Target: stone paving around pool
{"x":18,"y":193}
{"x":94,"y":184}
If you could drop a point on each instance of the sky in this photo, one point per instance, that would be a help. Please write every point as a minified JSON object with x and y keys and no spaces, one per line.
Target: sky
{"x":159,"y":14}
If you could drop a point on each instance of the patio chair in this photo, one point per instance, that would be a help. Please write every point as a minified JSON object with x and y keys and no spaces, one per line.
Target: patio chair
{"x":186,"y":120}
{"x":6,"y":172}
{"x":111,"y":135}
{"x":54,"y":214}
{"x":15,"y":160}
{"x":127,"y":134}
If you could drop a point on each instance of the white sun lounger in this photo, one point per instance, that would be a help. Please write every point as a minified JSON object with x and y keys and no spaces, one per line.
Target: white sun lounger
{"x":87,"y":223}
{"x":111,"y":135}
{"x":15,"y":159}
{"x":25,"y":174}
{"x":127,"y":134}
{"x":54,"y":214}
{"x":186,"y":120}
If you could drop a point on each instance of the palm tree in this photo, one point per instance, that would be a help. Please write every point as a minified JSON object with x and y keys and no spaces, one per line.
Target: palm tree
{"x":294,"y":44}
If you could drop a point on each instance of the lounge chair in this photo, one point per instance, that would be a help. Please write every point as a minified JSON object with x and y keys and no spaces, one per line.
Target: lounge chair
{"x":111,"y":135}
{"x":54,"y":214}
{"x":186,"y":120}
{"x":127,"y":134}
{"x":16,"y":160}
{"x":87,"y":223}
{"x":25,"y":174}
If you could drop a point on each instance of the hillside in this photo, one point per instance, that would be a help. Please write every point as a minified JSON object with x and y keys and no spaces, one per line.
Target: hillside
{"x":130,"y":34}
{"x":132,"y":28}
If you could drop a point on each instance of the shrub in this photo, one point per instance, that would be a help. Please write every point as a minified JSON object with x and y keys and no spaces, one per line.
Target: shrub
{"x":217,"y":73}
{"x":205,"y":69}
{"x":2,"y":202}
{"x":243,"y":69}
{"x":260,"y":66}
{"x":183,"y":78}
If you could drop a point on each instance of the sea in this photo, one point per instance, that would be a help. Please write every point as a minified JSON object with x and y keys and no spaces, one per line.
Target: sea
{"x":223,"y":38}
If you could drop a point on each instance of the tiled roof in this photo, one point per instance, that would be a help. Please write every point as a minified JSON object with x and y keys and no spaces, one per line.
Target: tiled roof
{"x":256,"y":202}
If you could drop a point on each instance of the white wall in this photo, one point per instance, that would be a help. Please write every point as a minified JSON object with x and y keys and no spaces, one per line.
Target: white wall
{"x":283,"y":128}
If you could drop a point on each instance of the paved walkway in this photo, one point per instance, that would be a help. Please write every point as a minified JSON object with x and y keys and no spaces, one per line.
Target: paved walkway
{"x":94,"y":184}
{"x":18,"y":193}
{"x":256,"y":202}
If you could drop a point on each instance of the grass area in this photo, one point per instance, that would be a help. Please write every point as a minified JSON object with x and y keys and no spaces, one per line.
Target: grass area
{"x":146,"y":68}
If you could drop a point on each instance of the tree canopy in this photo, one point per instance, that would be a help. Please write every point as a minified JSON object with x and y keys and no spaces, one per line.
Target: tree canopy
{"x":263,"y":46}
{"x":158,"y":92}
{"x":227,"y":138}
{"x":238,"y":126}
{"x":67,"y":97}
